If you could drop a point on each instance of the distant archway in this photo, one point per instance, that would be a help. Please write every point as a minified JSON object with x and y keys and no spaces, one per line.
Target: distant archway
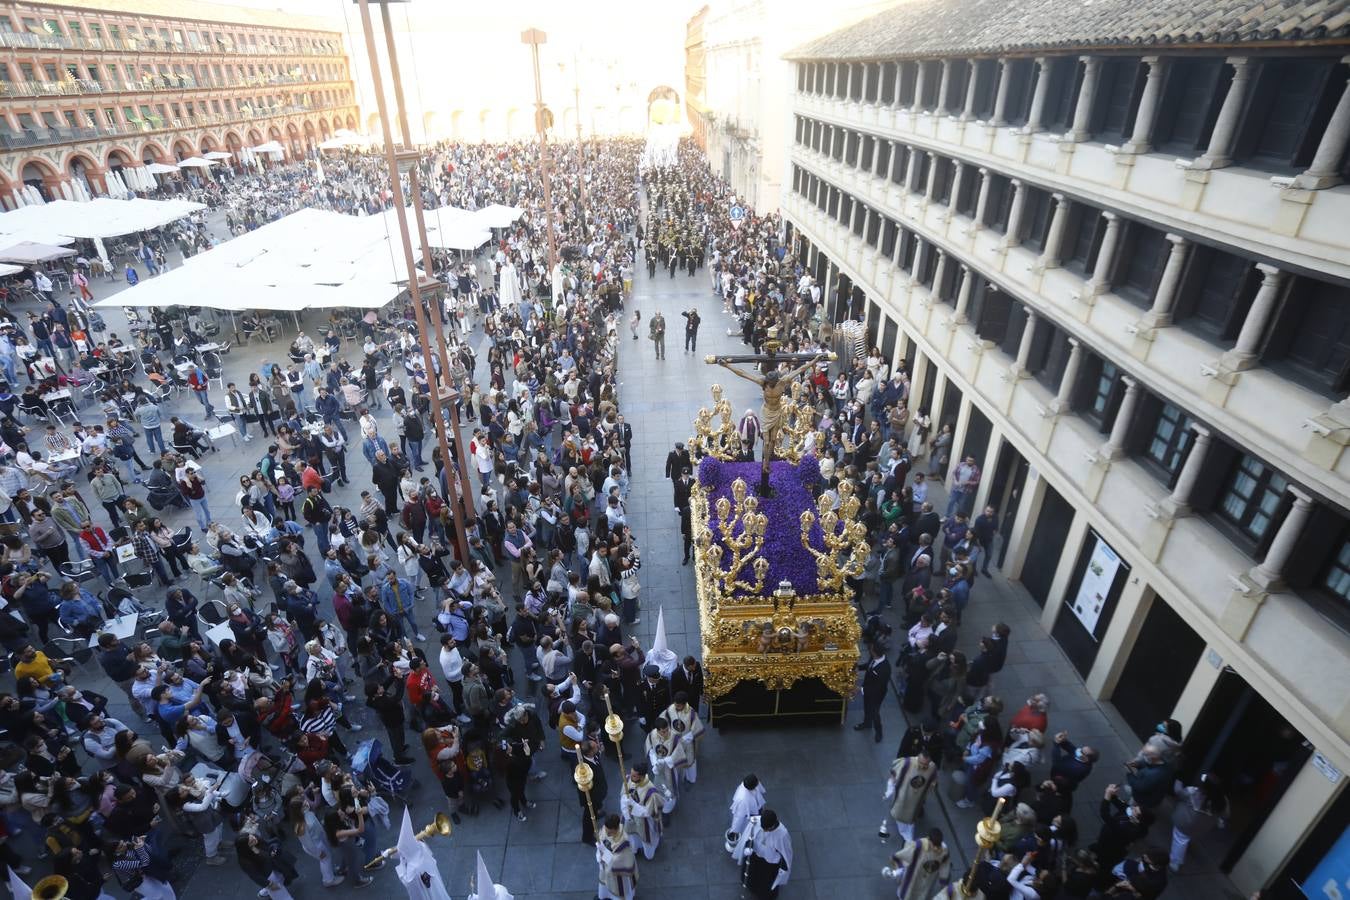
{"x":663,"y":106}
{"x":457,"y":125}
{"x":373,"y":124}
{"x":431,"y":125}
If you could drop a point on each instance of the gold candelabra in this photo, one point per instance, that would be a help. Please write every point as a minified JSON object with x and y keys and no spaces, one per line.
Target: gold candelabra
{"x":843,"y":536}
{"x":742,"y":527}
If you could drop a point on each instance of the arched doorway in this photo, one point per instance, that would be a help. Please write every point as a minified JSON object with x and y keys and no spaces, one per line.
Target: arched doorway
{"x":373,"y":124}
{"x":351,"y":122}
{"x":512,"y":124}
{"x":484,"y":115}
{"x":85,"y":172}
{"x":38,"y":174}
{"x":181,"y":150}
{"x":293,"y":141}
{"x":311,"y":135}
{"x":663,"y":106}
{"x":254,"y":137}
{"x":457,"y":125}
{"x":153,"y":152}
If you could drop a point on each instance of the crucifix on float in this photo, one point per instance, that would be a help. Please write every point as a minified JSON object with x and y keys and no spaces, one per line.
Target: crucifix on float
{"x":773,"y":382}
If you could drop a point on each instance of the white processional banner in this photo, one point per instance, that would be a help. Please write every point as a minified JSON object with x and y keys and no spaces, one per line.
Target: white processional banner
{"x":1102,"y":567}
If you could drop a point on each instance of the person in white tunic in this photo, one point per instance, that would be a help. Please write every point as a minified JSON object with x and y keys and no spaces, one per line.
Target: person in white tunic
{"x":666,"y":756}
{"x":641,"y":807}
{"x":482,"y":876}
{"x":508,"y":285}
{"x":685,"y":722}
{"x":617,"y":856}
{"x":746,"y":802}
{"x":907,"y":785}
{"x":417,"y":868}
{"x":768,"y":856}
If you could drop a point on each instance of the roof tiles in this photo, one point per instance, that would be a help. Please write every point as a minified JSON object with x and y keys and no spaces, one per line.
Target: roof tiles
{"x":925,"y":28}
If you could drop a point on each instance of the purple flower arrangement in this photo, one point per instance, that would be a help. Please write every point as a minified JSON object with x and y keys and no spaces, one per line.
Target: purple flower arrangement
{"x":792,"y":495}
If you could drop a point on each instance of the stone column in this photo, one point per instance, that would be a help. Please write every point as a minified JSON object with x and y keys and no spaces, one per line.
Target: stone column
{"x":1148,"y":106}
{"x":1038,"y":98}
{"x":1270,"y":574}
{"x":1059,"y":220}
{"x":1325,"y":169}
{"x":982,"y":201}
{"x":895,"y":161}
{"x":1120,"y":428}
{"x":1082,"y":112}
{"x":1244,"y":354}
{"x":899,"y":246}
{"x":963,"y":296}
{"x":1179,"y":502}
{"x":930,"y":189}
{"x":876,"y":156}
{"x":1106,"y":255}
{"x":1001,"y":97}
{"x":1011,"y":238}
{"x":972,"y":84}
{"x":847,"y":81}
{"x":918,"y":87}
{"x":1221,"y":140}
{"x":1160,"y":315}
{"x":939,"y":272}
{"x":1063,"y":401}
{"x":944,"y":86}
{"x":958,"y":174}
{"x":1019,"y":368}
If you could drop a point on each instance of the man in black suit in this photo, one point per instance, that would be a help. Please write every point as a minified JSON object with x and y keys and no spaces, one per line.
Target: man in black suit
{"x":590,"y":757}
{"x":677,"y":461}
{"x":876,"y":681}
{"x":688,"y":677}
{"x":625,"y":433}
{"x":683,"y":484}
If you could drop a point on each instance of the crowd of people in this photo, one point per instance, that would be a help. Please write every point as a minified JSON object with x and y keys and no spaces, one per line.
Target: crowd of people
{"x":345,"y":600}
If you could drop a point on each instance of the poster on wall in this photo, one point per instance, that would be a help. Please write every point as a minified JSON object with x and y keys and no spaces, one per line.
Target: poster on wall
{"x":1101,"y":571}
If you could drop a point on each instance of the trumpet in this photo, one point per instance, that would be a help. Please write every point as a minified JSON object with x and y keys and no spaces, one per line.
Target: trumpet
{"x":53,"y":887}
{"x":439,"y":826}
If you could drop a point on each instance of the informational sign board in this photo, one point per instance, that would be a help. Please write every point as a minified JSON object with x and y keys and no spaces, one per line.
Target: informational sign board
{"x":1097,"y":579}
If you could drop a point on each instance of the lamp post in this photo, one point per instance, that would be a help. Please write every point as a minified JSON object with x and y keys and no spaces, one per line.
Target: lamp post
{"x":581,"y":146}
{"x":401,"y":162}
{"x":542,"y":120}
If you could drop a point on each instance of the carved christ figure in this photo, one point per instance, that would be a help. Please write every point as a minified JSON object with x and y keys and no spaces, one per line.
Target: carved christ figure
{"x":774,"y":384}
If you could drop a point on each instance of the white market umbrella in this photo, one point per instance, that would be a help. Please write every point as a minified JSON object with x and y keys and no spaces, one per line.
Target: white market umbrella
{"x":34,"y":196}
{"x":16,"y":198}
{"x":81,"y":192}
{"x":217,"y":154}
{"x":197,"y":162}
{"x":67,"y":193}
{"x":157,"y":168}
{"x":117,"y":188}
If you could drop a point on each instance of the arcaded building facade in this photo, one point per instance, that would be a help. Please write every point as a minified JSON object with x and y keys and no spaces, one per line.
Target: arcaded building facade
{"x":1111,"y":245}
{"x":94,"y":85}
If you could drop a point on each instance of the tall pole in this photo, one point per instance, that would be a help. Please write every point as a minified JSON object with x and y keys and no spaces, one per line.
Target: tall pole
{"x":534,"y":37}
{"x":581,"y":147}
{"x":415,"y":284}
{"x":461,"y":497}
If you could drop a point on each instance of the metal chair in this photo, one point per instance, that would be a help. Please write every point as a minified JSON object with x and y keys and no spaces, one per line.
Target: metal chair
{"x":210,"y":614}
{"x":79,"y":571}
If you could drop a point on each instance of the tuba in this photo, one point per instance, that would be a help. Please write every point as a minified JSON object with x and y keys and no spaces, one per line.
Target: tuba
{"x":53,"y":887}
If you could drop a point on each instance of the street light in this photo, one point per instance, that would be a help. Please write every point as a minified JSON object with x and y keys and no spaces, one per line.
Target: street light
{"x":401,"y":162}
{"x":543,"y":119}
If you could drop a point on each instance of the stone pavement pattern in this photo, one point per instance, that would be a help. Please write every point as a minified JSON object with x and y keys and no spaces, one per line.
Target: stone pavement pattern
{"x":825,"y":783}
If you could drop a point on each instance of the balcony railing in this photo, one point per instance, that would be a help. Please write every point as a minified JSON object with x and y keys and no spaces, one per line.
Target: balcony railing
{"x":82,"y":86}
{"x":19,"y":40}
{"x":40,"y":137}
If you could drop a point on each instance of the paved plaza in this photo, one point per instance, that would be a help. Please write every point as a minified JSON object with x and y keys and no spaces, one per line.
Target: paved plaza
{"x":824,"y":783}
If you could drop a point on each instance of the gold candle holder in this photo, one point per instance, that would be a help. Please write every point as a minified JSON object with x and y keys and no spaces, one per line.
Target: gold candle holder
{"x":614,"y":728}
{"x":987,"y":834}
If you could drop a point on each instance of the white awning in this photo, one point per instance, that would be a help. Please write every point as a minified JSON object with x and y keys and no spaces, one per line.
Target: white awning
{"x":269,"y":147}
{"x":217,"y":154}
{"x":196,"y":162}
{"x":6,"y":270}
{"x":498,"y":216}
{"x":101,"y":217}
{"x":156,"y":168}
{"x":27,"y":253}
